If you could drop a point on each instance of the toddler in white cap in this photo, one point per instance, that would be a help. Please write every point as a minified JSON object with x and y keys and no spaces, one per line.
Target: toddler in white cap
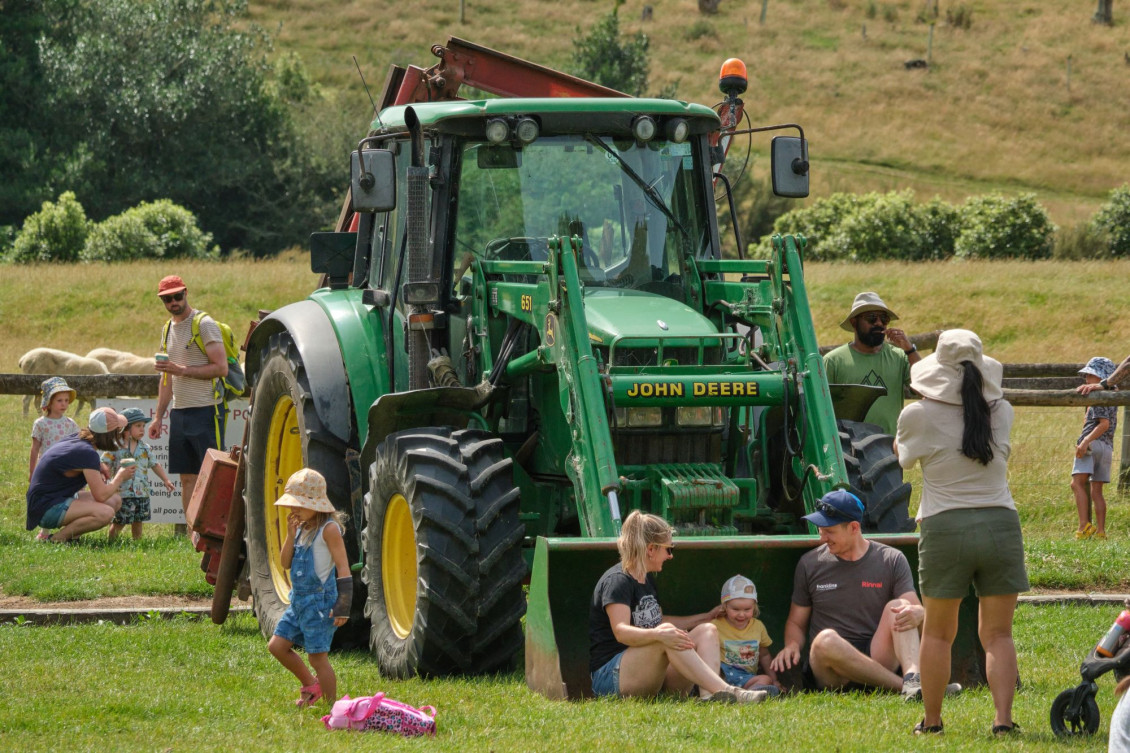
{"x":744,"y":640}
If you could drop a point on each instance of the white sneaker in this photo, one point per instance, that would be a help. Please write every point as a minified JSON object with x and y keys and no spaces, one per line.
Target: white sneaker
{"x":912,"y":687}
{"x":953,"y":688}
{"x":741,"y":695}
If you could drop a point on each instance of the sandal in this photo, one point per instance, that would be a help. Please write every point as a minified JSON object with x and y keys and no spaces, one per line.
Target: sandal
{"x":309,"y":695}
{"x":1086,"y":531}
{"x":933,"y":729}
{"x":1004,"y":730}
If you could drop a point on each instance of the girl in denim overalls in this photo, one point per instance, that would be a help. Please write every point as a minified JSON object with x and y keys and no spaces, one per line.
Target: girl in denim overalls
{"x":321,"y":586}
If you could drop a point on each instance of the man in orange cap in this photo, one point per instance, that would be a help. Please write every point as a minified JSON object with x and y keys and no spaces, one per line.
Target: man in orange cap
{"x":197,"y":415}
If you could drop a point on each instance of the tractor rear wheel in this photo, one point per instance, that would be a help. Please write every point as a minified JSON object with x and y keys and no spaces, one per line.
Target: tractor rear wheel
{"x":284,"y":436}
{"x":443,"y":560}
{"x":876,"y":477}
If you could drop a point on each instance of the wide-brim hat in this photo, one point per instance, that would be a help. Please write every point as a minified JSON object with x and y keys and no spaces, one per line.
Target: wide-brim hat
{"x":938,"y":376}
{"x":52,"y":387}
{"x":1098,"y":366}
{"x":863,"y":303}
{"x":106,"y":420}
{"x":306,"y":488}
{"x":835,"y":508}
{"x":170,"y":284}
{"x":133,"y":415}
{"x":738,"y":587}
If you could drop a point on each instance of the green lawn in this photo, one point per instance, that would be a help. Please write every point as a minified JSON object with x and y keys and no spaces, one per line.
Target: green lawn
{"x":188,"y":685}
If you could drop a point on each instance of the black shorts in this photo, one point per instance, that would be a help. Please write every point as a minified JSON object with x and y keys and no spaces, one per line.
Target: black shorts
{"x":192,"y":432}
{"x":808,"y":679}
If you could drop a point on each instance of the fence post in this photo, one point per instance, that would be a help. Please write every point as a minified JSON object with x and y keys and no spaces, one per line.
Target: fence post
{"x":1124,"y":470}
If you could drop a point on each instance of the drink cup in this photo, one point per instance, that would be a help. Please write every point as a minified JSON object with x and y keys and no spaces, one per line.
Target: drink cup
{"x":161,"y":358}
{"x":128,"y":463}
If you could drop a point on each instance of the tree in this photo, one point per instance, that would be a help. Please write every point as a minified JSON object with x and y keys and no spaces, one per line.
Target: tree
{"x":604,"y":57}
{"x":171,"y":99}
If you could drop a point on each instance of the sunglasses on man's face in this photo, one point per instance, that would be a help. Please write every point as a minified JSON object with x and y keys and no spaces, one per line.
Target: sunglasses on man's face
{"x":172,"y":297}
{"x":874,"y":319}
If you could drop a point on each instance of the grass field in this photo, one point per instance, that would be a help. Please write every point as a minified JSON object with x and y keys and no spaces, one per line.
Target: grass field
{"x":1021,"y":100}
{"x":187,"y":685}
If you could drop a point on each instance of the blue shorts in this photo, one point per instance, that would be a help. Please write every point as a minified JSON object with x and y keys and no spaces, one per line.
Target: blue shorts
{"x":1095,"y":463}
{"x":308,"y":621}
{"x":53,"y":518}
{"x":606,"y":680}
{"x":735,"y":676}
{"x":192,"y":432}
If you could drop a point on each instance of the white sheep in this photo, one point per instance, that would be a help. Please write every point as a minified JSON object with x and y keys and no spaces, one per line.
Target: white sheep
{"x":121,"y":362}
{"x":58,"y":363}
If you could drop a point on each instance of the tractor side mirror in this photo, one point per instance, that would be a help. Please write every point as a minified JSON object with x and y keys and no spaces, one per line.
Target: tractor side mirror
{"x":373,"y":173}
{"x":790,"y":167}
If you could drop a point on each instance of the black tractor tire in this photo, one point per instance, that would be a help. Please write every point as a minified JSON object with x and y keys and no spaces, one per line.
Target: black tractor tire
{"x":1086,"y":723}
{"x":285,"y":435}
{"x":443,"y":557}
{"x":876,"y":477}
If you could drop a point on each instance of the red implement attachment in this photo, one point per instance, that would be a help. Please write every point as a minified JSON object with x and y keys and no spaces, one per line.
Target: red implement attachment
{"x":210,"y":506}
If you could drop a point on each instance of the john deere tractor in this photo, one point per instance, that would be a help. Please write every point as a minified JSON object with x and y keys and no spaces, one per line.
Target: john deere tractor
{"x":531,"y":325}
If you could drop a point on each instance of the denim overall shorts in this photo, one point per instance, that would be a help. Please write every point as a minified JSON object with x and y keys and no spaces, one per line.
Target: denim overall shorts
{"x":307,"y":622}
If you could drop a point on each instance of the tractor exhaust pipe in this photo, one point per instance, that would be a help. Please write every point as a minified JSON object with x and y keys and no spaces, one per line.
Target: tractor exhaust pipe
{"x":420,"y":292}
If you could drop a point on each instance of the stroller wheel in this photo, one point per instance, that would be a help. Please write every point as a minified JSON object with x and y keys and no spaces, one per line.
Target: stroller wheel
{"x":1085,"y":723}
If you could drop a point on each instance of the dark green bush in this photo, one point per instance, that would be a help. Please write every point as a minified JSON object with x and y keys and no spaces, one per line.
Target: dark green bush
{"x":603,"y":56}
{"x":56,"y":232}
{"x":1000,"y":227}
{"x":818,"y":223}
{"x":1112,"y":222}
{"x":156,"y":230}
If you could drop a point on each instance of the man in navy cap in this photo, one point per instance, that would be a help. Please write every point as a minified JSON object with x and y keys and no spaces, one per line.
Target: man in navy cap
{"x":854,"y":601}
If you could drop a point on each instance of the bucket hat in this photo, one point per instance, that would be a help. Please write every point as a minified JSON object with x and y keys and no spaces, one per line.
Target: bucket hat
{"x":52,"y":387}
{"x":738,"y":587}
{"x":106,"y":420}
{"x":133,"y":415}
{"x":836,"y":507}
{"x":170,"y":284}
{"x":1098,"y":366}
{"x":938,"y":376}
{"x":863,"y":303}
{"x":306,"y":488}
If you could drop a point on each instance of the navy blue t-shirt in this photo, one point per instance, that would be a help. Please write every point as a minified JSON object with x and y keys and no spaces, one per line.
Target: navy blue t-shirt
{"x":49,"y":486}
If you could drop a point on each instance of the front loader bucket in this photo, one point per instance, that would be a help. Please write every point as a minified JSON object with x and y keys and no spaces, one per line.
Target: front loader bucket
{"x":566,"y":570}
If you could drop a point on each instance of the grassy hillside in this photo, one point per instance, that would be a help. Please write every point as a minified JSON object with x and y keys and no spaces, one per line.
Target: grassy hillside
{"x":994,"y":111}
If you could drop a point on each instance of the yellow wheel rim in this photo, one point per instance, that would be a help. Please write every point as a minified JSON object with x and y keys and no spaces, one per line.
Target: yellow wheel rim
{"x":398,"y":565}
{"x":283,"y":457}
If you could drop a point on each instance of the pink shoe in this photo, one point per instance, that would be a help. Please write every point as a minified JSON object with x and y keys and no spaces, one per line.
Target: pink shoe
{"x":309,"y":695}
{"x":43,"y":535}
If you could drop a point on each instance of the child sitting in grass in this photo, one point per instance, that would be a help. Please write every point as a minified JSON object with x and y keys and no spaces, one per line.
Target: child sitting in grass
{"x":1093,"y":454}
{"x":745,"y":641}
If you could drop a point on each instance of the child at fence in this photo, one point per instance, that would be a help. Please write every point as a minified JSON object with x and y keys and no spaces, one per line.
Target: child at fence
{"x":745,"y":641}
{"x":1093,"y":454}
{"x":52,"y":426}
{"x":135,"y":509}
{"x":321,"y":585}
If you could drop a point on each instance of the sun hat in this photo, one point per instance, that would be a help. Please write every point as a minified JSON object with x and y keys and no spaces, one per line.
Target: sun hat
{"x":738,"y":587}
{"x":863,"y":303}
{"x":105,"y":420}
{"x":938,"y":376}
{"x":170,"y":284}
{"x":836,"y":507}
{"x":306,"y":488}
{"x":52,"y":387}
{"x":1098,"y":366}
{"x":133,"y":415}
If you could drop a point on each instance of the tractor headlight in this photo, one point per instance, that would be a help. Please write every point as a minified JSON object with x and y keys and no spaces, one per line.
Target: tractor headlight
{"x":698,"y":416}
{"x":638,"y":418}
{"x":497,"y":130}
{"x":677,"y":130}
{"x":527,"y":130}
{"x":644,"y":128}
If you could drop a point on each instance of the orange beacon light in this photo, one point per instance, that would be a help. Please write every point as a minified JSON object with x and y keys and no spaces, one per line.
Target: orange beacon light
{"x":733,"y":80}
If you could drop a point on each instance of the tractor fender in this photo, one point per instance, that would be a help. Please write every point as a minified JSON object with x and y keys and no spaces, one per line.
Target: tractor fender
{"x":313,"y":334}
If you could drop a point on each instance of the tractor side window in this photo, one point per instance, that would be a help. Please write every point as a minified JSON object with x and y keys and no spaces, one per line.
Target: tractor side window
{"x":390,"y":239}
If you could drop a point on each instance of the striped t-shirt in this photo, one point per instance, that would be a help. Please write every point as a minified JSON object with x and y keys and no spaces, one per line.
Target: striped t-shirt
{"x":190,"y":392}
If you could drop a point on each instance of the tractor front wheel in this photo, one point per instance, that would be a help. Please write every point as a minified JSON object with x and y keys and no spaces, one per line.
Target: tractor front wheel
{"x":443,"y":560}
{"x":876,"y":477}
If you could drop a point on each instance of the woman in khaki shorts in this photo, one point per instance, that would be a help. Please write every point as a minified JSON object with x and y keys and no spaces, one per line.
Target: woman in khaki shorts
{"x":970,"y":532}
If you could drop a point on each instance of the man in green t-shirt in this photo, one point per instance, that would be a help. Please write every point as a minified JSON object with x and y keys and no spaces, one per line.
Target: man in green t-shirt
{"x":878,"y":357}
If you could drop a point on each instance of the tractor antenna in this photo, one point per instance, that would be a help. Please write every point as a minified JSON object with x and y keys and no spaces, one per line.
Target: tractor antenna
{"x":376,"y":114}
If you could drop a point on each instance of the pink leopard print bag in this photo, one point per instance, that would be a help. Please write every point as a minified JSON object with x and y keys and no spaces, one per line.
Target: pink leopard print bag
{"x":383,"y":714}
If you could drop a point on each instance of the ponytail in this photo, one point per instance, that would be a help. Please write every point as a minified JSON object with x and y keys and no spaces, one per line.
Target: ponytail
{"x":638,"y":530}
{"x":977,"y":434}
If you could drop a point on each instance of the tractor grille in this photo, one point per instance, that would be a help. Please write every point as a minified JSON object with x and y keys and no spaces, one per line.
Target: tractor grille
{"x":692,"y":446}
{"x":634,"y":357}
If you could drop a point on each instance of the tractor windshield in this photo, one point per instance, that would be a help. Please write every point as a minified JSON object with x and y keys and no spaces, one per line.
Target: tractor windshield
{"x":638,"y":208}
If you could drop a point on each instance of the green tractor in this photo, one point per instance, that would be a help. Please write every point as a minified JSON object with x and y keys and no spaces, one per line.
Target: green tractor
{"x":527,"y":329}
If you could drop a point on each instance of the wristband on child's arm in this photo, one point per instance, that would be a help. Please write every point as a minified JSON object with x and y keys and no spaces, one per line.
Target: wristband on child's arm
{"x":344,"y":597}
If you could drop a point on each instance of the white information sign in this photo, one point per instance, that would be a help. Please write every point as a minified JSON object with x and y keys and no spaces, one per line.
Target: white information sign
{"x":166,"y":507}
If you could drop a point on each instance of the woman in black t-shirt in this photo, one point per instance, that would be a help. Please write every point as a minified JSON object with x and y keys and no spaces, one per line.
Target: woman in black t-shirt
{"x":634,"y":649}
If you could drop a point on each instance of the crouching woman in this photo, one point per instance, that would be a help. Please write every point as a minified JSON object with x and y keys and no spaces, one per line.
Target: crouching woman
{"x":57,"y":496}
{"x":634,"y":649}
